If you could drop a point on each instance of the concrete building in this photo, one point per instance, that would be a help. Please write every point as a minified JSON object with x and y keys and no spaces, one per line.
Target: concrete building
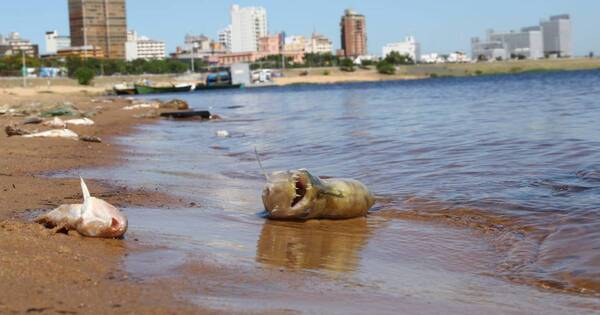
{"x":551,"y":37}
{"x":55,"y":42}
{"x":270,"y":44}
{"x":557,"y":36}
{"x":141,"y":47}
{"x":82,"y":52}
{"x":294,"y":43}
{"x":318,"y":44}
{"x":225,"y":38}
{"x":100,"y":23}
{"x":409,"y":47}
{"x":248,"y":25}
{"x":15,"y":45}
{"x":354,"y":34}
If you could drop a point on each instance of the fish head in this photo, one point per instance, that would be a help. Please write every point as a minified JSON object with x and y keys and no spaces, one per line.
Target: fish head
{"x":290,"y":194}
{"x":117,"y":228}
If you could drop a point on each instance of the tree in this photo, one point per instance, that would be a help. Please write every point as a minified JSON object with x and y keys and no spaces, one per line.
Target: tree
{"x":385,"y":67}
{"x":347,"y":65}
{"x":396,"y":58}
{"x":84,"y":75}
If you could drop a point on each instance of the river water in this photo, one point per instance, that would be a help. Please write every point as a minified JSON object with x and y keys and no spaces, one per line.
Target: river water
{"x":488,"y":194}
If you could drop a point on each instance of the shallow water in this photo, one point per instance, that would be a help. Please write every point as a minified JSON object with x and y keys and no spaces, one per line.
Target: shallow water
{"x":488,"y":192}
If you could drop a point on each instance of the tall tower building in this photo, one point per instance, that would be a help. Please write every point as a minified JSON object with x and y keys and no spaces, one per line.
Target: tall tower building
{"x":100,"y":23}
{"x":557,"y":36}
{"x":354,"y":34}
{"x":248,"y":25}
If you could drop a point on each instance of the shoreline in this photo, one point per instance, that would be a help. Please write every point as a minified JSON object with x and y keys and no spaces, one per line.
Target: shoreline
{"x":50,"y":271}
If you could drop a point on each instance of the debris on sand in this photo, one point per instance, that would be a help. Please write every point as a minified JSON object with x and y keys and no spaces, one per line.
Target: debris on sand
{"x":142,"y":106}
{"x":80,"y":122}
{"x":55,"y":133}
{"x":14,"y":131}
{"x":56,"y":123}
{"x":94,"y":218}
{"x":90,"y":139}
{"x":175,"y":104}
{"x":34,"y":120}
{"x":64,"y":109}
{"x":222,"y":133}
{"x":149,"y":114}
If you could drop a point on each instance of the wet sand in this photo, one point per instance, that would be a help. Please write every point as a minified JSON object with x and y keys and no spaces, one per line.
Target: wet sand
{"x":44,"y":271}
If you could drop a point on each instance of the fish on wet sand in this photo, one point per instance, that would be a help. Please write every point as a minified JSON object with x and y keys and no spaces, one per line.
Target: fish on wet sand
{"x":299,"y":195}
{"x":94,"y":218}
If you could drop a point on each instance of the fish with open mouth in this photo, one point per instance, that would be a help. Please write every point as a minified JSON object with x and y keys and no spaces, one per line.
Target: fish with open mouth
{"x":94,"y":218}
{"x":299,"y":195}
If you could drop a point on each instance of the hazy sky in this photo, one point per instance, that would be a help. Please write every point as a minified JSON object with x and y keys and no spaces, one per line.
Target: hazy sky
{"x":440,"y":26}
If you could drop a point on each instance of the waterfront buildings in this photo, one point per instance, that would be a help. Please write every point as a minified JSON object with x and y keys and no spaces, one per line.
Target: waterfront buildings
{"x":551,"y":37}
{"x":557,"y":36}
{"x":409,"y":47}
{"x":14,"y":44}
{"x":270,"y":44}
{"x":99,"y":23}
{"x":55,"y":42}
{"x":319,"y":44}
{"x":354,"y":34}
{"x":82,"y":52}
{"x":225,"y":38}
{"x":248,"y":25}
{"x":294,"y":43}
{"x":141,"y":47}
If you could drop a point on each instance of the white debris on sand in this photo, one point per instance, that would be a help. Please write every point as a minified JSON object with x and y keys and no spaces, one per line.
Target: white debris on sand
{"x":55,"y":133}
{"x":56,"y":123}
{"x":141,"y":106}
{"x":222,"y":133}
{"x":80,"y":122}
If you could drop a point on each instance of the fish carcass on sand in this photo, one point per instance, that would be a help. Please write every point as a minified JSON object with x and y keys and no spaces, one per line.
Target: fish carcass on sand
{"x":299,"y":195}
{"x":94,"y":218}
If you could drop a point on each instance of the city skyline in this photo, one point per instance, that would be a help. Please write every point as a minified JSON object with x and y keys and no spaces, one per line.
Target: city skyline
{"x":439,"y":27}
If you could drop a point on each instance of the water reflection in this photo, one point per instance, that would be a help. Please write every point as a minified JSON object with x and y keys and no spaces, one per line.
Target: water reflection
{"x":323,"y":244}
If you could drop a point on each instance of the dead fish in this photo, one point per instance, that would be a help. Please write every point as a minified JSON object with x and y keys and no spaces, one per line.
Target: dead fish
{"x":299,"y":195}
{"x":94,"y":218}
{"x":14,"y":131}
{"x":55,"y":133}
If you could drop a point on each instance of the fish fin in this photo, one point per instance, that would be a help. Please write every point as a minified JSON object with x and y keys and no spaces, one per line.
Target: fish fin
{"x":86,"y":196}
{"x":260,"y":164}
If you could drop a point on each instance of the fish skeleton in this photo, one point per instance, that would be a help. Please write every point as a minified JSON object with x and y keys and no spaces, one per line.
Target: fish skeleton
{"x":298,"y":195}
{"x":94,"y":218}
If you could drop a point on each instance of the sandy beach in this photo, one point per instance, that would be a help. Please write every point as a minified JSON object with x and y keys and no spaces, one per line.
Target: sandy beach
{"x":41,"y":270}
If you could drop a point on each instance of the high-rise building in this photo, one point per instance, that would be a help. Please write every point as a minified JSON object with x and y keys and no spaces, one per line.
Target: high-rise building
{"x":14,"y":44}
{"x":354,"y":34}
{"x":409,"y":47}
{"x":225,"y":38}
{"x":99,"y":23}
{"x":319,"y":44}
{"x":141,"y":47}
{"x":55,"y":42}
{"x":248,"y":25}
{"x":557,"y":36}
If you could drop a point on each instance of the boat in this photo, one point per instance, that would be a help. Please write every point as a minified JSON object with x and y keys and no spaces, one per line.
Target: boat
{"x":201,"y":86}
{"x":217,"y":81}
{"x":154,"y":89}
{"x":124,"y":89}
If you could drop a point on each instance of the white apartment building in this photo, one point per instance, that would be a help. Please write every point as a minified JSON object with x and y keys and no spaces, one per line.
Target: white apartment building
{"x":247,"y":26}
{"x":319,"y":44}
{"x":408,"y":47}
{"x":54,"y":42}
{"x":143,"y":48}
{"x":224,"y":36}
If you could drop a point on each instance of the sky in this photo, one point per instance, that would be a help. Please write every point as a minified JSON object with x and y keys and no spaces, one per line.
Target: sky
{"x":439,"y":25}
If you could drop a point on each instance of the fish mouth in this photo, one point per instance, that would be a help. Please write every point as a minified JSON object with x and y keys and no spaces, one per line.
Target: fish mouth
{"x":300,"y":187}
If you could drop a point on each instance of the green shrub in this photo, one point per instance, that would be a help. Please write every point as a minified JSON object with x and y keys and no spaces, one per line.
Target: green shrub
{"x":84,"y":75}
{"x":385,"y":67}
{"x":433,"y":75}
{"x":326,"y":72}
{"x":478,"y":72}
{"x":347,"y":65}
